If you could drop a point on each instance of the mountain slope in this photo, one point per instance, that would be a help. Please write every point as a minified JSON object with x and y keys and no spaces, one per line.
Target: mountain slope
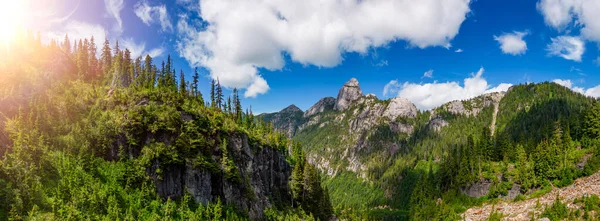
{"x":481,"y":147}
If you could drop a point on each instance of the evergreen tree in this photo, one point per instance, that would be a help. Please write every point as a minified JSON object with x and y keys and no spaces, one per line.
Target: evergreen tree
{"x":591,"y":123}
{"x":127,"y":69}
{"x":182,"y":84}
{"x":149,"y":74}
{"x":66,"y":46}
{"x":106,"y":57}
{"x":229,"y":109}
{"x":138,"y":73}
{"x":212,"y":94}
{"x":93,"y":61}
{"x":237,"y":106}
{"x":219,"y":95}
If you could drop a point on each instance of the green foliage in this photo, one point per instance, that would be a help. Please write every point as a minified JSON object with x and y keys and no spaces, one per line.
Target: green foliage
{"x":90,"y":145}
{"x":558,"y":211}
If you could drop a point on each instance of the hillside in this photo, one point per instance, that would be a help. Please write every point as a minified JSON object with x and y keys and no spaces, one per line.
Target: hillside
{"x":115,"y":138}
{"x":384,"y":159}
{"x":576,"y":201}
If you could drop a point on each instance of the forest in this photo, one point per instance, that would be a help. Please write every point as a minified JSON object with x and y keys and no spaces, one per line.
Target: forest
{"x":545,"y":136}
{"x":107,"y":138}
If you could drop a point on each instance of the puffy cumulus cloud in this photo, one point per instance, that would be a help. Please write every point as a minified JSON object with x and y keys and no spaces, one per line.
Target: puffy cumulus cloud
{"x":459,"y":50}
{"x":78,"y":30}
{"x":139,"y":49}
{"x":565,"y":14}
{"x":430,"y":95}
{"x":151,"y":14}
{"x":591,"y":92}
{"x":113,"y":8}
{"x":567,"y":47}
{"x":512,"y":43}
{"x":237,"y":38}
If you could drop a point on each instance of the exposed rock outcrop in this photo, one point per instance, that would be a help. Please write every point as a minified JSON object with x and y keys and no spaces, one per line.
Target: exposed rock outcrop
{"x":478,"y":189}
{"x":436,"y":124}
{"x":349,"y":93}
{"x":264,"y":175}
{"x":400,"y":107}
{"x":322,"y":105}
{"x":475,"y":105}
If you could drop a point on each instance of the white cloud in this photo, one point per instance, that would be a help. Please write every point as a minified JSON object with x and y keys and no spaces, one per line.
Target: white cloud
{"x":78,"y":30}
{"x":113,"y":8}
{"x":391,"y":88}
{"x":431,"y":95}
{"x":237,"y":38}
{"x":459,"y":50}
{"x":428,"y":74}
{"x":150,"y":14}
{"x":566,"y":83}
{"x":597,"y":61}
{"x":565,"y":14}
{"x":592,"y":92}
{"x":139,"y":49}
{"x":567,"y":47}
{"x":512,"y":43}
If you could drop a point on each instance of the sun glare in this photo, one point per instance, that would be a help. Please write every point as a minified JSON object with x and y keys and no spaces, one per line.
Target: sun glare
{"x":11,"y":18}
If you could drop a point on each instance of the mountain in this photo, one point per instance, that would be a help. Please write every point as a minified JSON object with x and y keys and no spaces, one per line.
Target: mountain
{"x":286,"y":120}
{"x":86,"y":138}
{"x":386,"y":157}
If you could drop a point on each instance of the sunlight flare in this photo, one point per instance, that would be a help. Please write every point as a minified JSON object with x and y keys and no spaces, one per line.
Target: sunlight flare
{"x":11,"y":19}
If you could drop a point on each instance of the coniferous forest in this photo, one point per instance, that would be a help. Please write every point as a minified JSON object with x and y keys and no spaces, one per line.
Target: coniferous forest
{"x":113,"y":138}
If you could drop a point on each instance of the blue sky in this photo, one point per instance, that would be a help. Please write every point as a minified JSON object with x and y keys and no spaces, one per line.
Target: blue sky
{"x":296,"y":52}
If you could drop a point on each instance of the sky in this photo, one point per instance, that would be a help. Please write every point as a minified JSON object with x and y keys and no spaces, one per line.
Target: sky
{"x":282,"y":52}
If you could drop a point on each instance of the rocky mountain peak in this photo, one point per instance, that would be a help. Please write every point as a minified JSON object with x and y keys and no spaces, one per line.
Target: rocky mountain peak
{"x":322,"y":105}
{"x":290,"y":109}
{"x":349,"y":93}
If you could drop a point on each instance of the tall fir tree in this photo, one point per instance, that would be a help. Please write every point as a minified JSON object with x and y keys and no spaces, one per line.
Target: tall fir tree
{"x":149,"y":76}
{"x":182,"y":84}
{"x":66,"y":45}
{"x":106,"y":57}
{"x":219,"y":95}
{"x":93,"y":60}
{"x":213,"y":102}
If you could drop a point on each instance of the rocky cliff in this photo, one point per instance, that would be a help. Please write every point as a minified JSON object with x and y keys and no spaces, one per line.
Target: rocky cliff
{"x":262,"y":178}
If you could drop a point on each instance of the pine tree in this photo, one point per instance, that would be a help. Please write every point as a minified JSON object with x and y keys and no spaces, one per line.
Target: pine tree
{"x":219,"y":95}
{"x":66,"y":46}
{"x":212,"y":94}
{"x":117,"y":50}
{"x":138,"y":73}
{"x":197,"y":93}
{"x":93,"y":61}
{"x":237,"y":106}
{"x":591,"y":123}
{"x":127,"y":69}
{"x":149,"y":74}
{"x":229,"y":109}
{"x":106,"y":57}
{"x":182,"y":84}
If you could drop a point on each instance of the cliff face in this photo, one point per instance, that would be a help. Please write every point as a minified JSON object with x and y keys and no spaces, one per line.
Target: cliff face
{"x":263,"y":178}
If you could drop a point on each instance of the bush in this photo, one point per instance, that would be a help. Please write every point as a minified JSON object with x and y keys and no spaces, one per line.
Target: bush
{"x":558,"y":211}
